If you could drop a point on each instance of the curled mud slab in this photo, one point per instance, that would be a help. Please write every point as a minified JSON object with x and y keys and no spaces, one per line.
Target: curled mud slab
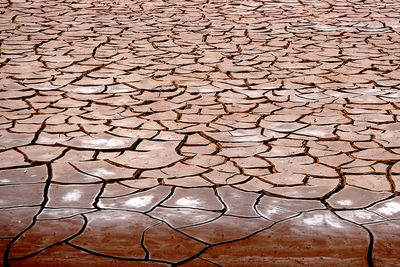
{"x":199,"y":133}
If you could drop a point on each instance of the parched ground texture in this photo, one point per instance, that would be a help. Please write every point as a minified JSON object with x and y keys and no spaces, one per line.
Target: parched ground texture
{"x":200,"y":133}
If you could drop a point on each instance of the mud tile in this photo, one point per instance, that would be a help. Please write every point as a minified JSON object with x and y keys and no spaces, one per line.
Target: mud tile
{"x":25,"y":128}
{"x":118,"y":100}
{"x":169,"y":136}
{"x":373,"y":118}
{"x":115,"y":233}
{"x":13,"y":104}
{"x":196,"y":139}
{"x":287,"y":142}
{"x":277,"y":209}
{"x":282,"y":127}
{"x":158,"y":240}
{"x":133,"y":134}
{"x":193,"y":118}
{"x":15,"y":220}
{"x":315,"y":188}
{"x":116,"y":190}
{"x":141,"y":183}
{"x":282,"y":118}
{"x":86,"y":97}
{"x":182,"y":170}
{"x":156,"y":173}
{"x":358,"y":163}
{"x":339,"y":146}
{"x":161,"y":106}
{"x":7,"y":126}
{"x":85,"y":89}
{"x":51,"y":138}
{"x":370,"y":182}
{"x":76,"y":196}
{"x":238,"y":203}
{"x":94,"y":128}
{"x":103,"y":170}
{"x":252,"y":162}
{"x":11,"y":85}
{"x":61,"y":128}
{"x":69,"y":103}
{"x":99,"y":142}
{"x":15,"y":94}
{"x":282,"y":151}
{"x":366,"y":145}
{"x":204,"y":150}
{"x":15,"y":115}
{"x":67,"y":173}
{"x":188,"y":182}
{"x":366,"y":99}
{"x":390,"y":127}
{"x":107,"y":155}
{"x":335,"y":160}
{"x":380,"y":167}
{"x":376,"y":154}
{"x":389,"y":208}
{"x":321,"y":120}
{"x":183,"y":217}
{"x":76,"y":155}
{"x":21,"y":195}
{"x":322,"y":132}
{"x":11,"y":140}
{"x":354,"y":197}
{"x":352,"y":136}
{"x":41,"y":153}
{"x":389,"y":140}
{"x":292,"y":166}
{"x":27,"y":175}
{"x":148,"y":145}
{"x":228,"y":137}
{"x":265,"y":108}
{"x":206,"y":161}
{"x":227,"y":167}
{"x":218,"y":177}
{"x":245,"y":132}
{"x":220,"y":127}
{"x":197,"y":198}
{"x":285,"y":178}
{"x":128,"y":122}
{"x":238,"y":179}
{"x":254,"y":184}
{"x":295,"y":160}
{"x":155,"y":158}
{"x":44,"y":234}
{"x":360,"y":216}
{"x":195,"y":128}
{"x":358,"y":170}
{"x":138,"y":201}
{"x":308,"y":233}
{"x":256,"y":172}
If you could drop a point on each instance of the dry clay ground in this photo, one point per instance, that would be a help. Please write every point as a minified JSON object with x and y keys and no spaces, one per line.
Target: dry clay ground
{"x":199,"y":133}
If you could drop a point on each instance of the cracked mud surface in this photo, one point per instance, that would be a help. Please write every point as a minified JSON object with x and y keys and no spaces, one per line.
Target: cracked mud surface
{"x":199,"y":133}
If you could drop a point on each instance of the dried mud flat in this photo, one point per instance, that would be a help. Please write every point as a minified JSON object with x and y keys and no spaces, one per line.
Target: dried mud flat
{"x":199,"y":133}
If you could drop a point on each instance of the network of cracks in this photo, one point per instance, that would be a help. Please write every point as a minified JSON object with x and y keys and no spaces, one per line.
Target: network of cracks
{"x":220,"y":133}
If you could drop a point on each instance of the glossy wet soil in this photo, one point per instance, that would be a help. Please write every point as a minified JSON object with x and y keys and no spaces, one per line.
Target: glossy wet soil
{"x":199,"y":133}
